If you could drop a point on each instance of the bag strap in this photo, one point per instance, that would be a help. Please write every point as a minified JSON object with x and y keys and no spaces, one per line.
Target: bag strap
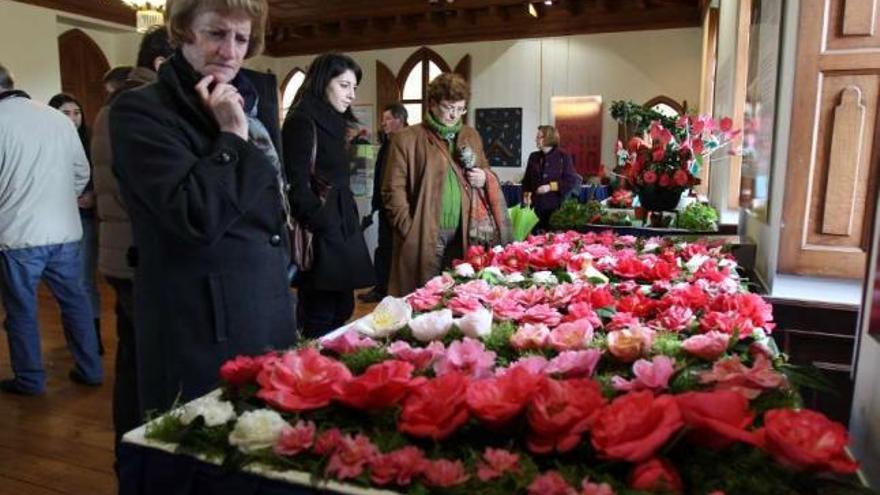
{"x":314,"y":148}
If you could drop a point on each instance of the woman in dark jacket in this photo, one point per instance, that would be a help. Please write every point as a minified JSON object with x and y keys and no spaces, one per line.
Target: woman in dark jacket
{"x":195,"y":155}
{"x":321,"y":111}
{"x":549,"y":177}
{"x":70,"y":106}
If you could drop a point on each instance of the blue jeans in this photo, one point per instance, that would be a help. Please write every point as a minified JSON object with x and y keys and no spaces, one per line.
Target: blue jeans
{"x":60,"y":266}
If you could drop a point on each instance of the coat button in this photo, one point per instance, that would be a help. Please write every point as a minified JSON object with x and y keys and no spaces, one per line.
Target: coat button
{"x":275,"y":240}
{"x":286,"y":187}
{"x":225,"y":157}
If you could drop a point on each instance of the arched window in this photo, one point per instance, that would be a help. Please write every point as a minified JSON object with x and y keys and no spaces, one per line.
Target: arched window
{"x":417,"y":72}
{"x":289,"y":88}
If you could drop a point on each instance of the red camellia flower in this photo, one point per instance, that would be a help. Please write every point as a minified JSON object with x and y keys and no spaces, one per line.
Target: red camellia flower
{"x":656,"y":475}
{"x":435,"y":408}
{"x":381,"y":385}
{"x":635,"y":425}
{"x":399,"y":466}
{"x":680,"y":177}
{"x":242,"y":370}
{"x":717,"y":419}
{"x":478,"y":257}
{"x":300,"y":380}
{"x":649,"y":177}
{"x":513,"y":259}
{"x":550,"y":483}
{"x":562,"y":410}
{"x":351,"y":456}
{"x":495,"y":401}
{"x":629,"y":267}
{"x":664,"y":180}
{"x":662,"y":270}
{"x":550,"y":257}
{"x":806,"y":440}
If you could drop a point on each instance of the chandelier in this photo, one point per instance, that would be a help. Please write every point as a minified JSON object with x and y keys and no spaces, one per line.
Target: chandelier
{"x":149,"y":12}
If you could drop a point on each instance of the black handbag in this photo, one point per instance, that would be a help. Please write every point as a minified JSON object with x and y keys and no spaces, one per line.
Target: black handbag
{"x":302,"y":242}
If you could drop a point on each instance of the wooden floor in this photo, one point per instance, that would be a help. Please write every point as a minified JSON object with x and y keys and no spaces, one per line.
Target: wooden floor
{"x":62,"y":442}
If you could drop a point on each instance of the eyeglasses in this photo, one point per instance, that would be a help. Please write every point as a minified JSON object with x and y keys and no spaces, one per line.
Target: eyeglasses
{"x":453,"y":109}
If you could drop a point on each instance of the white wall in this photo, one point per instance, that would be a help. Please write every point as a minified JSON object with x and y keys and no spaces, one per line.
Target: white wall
{"x":725,"y":77}
{"x":29,"y":44}
{"x":527,"y":73}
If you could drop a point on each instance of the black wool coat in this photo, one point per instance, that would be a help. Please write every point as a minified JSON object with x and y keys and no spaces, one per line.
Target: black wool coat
{"x":209,"y":226}
{"x":342,"y":261}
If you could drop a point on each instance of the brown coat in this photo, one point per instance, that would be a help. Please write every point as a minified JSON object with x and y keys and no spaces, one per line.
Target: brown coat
{"x":412,"y":186}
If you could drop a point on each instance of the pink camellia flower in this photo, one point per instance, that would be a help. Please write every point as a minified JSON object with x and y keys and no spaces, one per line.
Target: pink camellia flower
{"x":675,"y":318}
{"x":583,"y":310}
{"x":729,"y":322}
{"x":348,"y":342}
{"x":351,"y":456}
{"x":561,"y":295}
{"x":574,"y":364}
{"x":651,"y":375}
{"x":571,"y":336}
{"x":530,"y":336}
{"x":476,"y":289}
{"x":597,"y":251}
{"x":495,"y":463}
{"x":295,"y":439}
{"x":399,"y":466}
{"x":424,"y":299}
{"x":439,"y":284}
{"x":560,"y":412}
{"x":300,"y":380}
{"x":709,"y":346}
{"x":542,"y":313}
{"x":550,"y":483}
{"x":590,"y":488}
{"x":732,"y":374}
{"x":420,"y":357}
{"x":444,"y":473}
{"x":656,"y":475}
{"x":467,"y":356}
{"x":631,"y":343}
{"x":495,"y":401}
{"x":327,"y":441}
{"x":532,"y":364}
{"x":508,"y":309}
{"x":463,"y":305}
{"x":496,"y":294}
{"x":529,"y":297}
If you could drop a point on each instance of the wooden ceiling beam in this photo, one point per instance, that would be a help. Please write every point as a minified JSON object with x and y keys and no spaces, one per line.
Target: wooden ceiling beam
{"x":110,"y":11}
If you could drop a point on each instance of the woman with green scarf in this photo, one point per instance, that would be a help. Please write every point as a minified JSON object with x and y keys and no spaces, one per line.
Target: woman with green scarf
{"x":440,"y":195}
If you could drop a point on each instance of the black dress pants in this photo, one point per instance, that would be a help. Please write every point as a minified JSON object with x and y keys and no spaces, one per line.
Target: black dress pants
{"x":382,"y":256}
{"x":126,"y":407}
{"x":322,"y":311}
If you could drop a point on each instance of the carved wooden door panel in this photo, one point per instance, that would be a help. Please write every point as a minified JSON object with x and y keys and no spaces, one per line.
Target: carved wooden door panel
{"x":83,"y":66}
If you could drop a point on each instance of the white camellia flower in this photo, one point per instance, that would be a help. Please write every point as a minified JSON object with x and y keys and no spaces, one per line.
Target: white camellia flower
{"x":728,"y":262}
{"x":465,"y":270}
{"x":544,"y":278}
{"x":493,"y":272}
{"x":650,"y":246}
{"x":514,"y":278}
{"x":696,"y":262}
{"x":214,"y":411}
{"x":390,"y":315}
{"x":590,"y":272}
{"x":476,"y":324}
{"x":431,"y":326}
{"x":257,"y":430}
{"x":498,"y":249}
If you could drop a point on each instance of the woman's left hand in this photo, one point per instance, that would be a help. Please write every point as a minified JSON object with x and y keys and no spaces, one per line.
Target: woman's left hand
{"x":86,"y":200}
{"x":477,"y":177}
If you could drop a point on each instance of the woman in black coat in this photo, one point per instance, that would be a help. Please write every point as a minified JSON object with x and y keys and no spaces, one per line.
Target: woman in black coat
{"x":197,"y":167}
{"x":322,"y":109}
{"x":549,"y":176}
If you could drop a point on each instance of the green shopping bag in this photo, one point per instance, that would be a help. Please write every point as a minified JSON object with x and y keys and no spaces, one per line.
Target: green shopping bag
{"x":522,"y":219}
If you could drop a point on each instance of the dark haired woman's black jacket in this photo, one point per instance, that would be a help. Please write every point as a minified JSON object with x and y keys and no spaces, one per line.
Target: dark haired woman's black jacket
{"x":209,"y":226}
{"x":342,"y":261}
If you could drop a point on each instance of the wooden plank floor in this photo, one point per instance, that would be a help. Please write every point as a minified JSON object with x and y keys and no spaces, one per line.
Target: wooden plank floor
{"x":62,"y":442}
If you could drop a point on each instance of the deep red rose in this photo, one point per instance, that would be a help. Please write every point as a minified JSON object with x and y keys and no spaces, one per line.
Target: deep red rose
{"x":495,"y":401}
{"x":649,"y":177}
{"x":680,"y":177}
{"x":300,"y":380}
{"x":717,"y":419}
{"x":806,"y":440}
{"x":635,"y":425}
{"x":242,"y":370}
{"x":381,"y":385}
{"x":656,"y":475}
{"x":435,"y":408}
{"x":664,"y":181}
{"x":560,"y":412}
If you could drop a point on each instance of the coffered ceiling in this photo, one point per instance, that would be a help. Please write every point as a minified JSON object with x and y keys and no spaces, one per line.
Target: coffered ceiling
{"x":315,"y":26}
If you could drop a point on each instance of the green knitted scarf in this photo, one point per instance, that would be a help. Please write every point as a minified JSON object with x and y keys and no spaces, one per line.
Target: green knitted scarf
{"x":447,"y":132}
{"x":450,"y":200}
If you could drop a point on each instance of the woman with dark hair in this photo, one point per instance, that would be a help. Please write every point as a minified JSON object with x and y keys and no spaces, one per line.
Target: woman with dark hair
{"x":549,"y":176}
{"x":315,"y":130}
{"x":439,"y":193}
{"x":70,"y":106}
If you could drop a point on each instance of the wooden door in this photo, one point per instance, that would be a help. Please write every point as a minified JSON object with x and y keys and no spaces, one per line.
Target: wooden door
{"x":83,"y":66}
{"x":832,"y":170}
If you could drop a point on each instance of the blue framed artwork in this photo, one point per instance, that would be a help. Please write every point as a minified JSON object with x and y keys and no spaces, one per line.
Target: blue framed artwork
{"x":501,"y":131}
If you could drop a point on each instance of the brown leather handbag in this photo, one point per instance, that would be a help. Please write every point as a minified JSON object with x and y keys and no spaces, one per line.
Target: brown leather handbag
{"x":302,"y":242}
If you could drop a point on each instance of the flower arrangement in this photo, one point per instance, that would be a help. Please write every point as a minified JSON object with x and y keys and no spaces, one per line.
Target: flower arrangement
{"x":566,"y":364}
{"x":621,"y":198}
{"x":667,"y":161}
